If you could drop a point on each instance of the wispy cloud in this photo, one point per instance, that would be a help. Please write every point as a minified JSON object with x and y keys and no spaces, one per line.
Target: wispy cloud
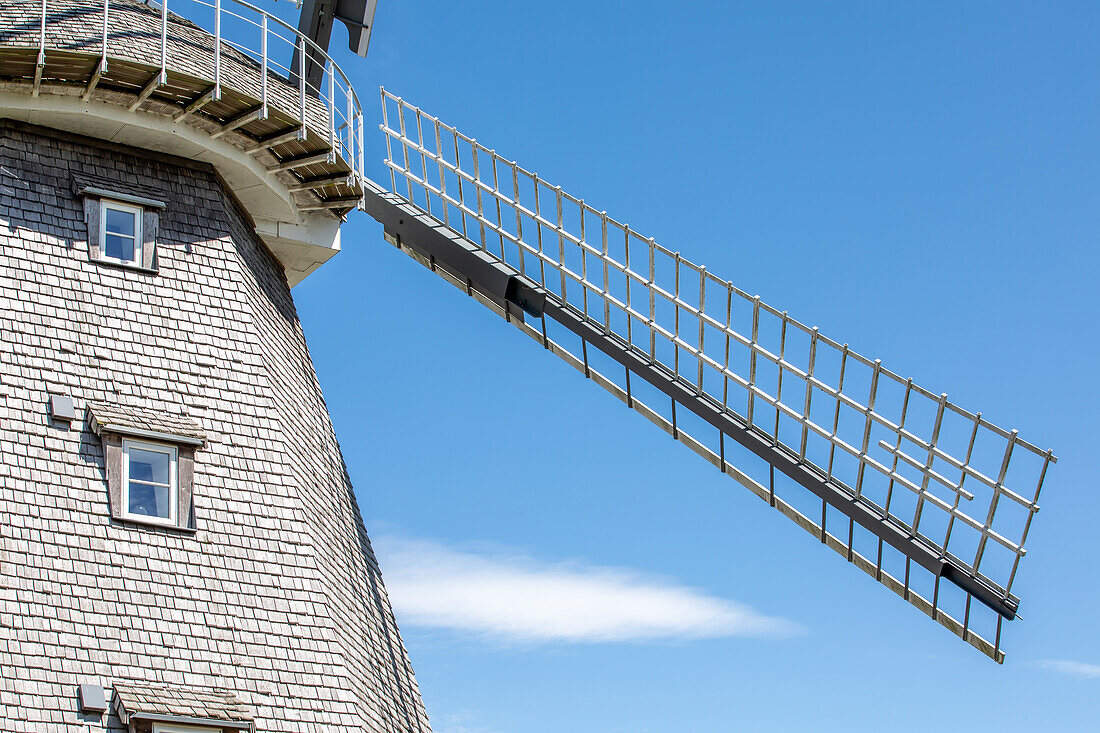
{"x":462,"y":722}
{"x":515,"y":598}
{"x":1070,"y":667}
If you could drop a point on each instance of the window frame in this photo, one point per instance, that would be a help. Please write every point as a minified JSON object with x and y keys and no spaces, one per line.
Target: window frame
{"x":138,"y":212}
{"x":159,"y":727}
{"x":173,"y":481}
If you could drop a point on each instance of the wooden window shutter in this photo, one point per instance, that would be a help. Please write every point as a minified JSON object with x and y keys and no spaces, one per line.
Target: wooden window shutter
{"x":150,"y":221}
{"x":112,"y":450}
{"x":91,"y":215}
{"x":185,"y":515}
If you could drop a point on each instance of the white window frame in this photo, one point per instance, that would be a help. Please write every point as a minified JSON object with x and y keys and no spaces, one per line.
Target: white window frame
{"x":173,"y":481}
{"x":176,"y":728}
{"x":138,"y":212}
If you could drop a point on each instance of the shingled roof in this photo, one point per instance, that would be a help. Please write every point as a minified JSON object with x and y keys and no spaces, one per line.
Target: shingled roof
{"x":179,"y":704}
{"x":115,"y":418}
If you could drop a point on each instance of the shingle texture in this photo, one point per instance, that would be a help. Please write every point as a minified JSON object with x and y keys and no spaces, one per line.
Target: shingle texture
{"x":278,"y":596}
{"x":189,"y":702}
{"x":108,"y":416}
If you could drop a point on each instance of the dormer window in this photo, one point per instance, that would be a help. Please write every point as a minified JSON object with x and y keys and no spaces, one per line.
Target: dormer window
{"x":120,"y":232}
{"x":122,"y":224}
{"x":149,"y":457}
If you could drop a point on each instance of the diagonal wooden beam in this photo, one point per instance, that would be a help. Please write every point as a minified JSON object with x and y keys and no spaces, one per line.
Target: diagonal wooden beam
{"x":196,"y":104}
{"x":301,"y":161}
{"x":298,"y":133}
{"x":241,"y":119}
{"x":151,"y":86}
{"x":313,"y":183}
{"x":332,"y":204}
{"x":100,"y":70}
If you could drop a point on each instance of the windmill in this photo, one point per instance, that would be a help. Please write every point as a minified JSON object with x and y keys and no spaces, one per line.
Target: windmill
{"x":183,"y":523}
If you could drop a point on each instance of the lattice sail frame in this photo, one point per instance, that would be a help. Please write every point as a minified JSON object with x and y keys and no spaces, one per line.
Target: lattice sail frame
{"x":955,"y":482}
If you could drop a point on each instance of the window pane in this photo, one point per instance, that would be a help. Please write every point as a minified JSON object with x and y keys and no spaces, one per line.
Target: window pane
{"x":120,"y":222}
{"x":147,"y":465}
{"x":150,"y":501}
{"x":121,"y":248}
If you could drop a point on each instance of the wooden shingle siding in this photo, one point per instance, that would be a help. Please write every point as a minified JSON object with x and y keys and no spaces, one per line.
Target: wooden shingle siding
{"x":278,"y":595}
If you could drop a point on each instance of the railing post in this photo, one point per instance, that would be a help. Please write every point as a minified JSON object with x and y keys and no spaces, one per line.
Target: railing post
{"x":101,"y":67}
{"x":42,"y":37}
{"x":40,"y":65}
{"x":331,"y":110}
{"x":217,"y":50}
{"x":350,"y":124}
{"x":263,"y":66}
{"x":164,"y":42}
{"x":302,"y":83}
{"x":106,"y":10}
{"x":362,"y":168}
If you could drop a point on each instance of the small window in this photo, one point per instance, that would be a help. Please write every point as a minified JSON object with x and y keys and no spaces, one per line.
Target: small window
{"x":120,"y":232}
{"x":170,"y":728}
{"x":150,"y":482}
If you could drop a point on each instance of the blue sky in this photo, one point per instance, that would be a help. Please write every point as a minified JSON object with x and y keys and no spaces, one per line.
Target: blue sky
{"x":919,"y":180}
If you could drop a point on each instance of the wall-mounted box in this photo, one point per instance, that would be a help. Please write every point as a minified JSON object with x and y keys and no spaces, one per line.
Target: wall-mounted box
{"x":61,"y":408}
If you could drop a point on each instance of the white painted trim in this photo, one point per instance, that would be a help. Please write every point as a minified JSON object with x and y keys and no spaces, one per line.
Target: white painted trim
{"x":175,"y":728}
{"x":138,"y":214}
{"x":173,"y":482}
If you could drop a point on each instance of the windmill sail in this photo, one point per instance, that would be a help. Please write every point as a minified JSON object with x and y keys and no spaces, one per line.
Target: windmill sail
{"x":933,"y":501}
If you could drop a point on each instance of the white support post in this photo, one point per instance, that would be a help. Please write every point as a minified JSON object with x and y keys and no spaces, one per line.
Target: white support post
{"x":106,"y":12}
{"x":101,"y":68}
{"x":217,"y":49}
{"x":349,"y":125}
{"x":161,"y":77}
{"x":41,"y":63}
{"x":164,"y":42}
{"x":362,"y":169}
{"x":359,"y":125}
{"x":302,"y":84}
{"x":263,"y":66}
{"x":331,"y":110}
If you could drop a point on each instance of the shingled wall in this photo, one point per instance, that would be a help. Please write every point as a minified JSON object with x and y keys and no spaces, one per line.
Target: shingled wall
{"x":277,"y":596}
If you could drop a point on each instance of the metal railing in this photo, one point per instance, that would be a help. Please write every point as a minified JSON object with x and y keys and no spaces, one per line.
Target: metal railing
{"x":248,"y":50}
{"x":953,"y":480}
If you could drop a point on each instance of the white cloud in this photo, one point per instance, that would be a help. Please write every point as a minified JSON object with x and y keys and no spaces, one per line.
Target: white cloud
{"x":1070,"y":667}
{"x":516,"y":598}
{"x":462,"y":722}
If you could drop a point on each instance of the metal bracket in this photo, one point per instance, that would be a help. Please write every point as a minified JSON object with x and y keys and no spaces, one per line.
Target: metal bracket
{"x":409,"y":227}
